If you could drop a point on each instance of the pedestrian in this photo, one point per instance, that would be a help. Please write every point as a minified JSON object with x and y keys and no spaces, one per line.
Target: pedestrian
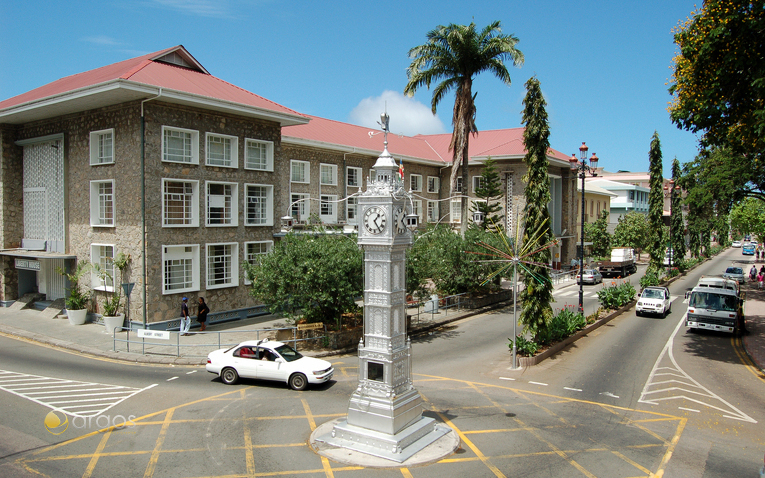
{"x":185,"y":319}
{"x":757,"y":254}
{"x":202,"y":311}
{"x":760,"y":278}
{"x":753,"y":273}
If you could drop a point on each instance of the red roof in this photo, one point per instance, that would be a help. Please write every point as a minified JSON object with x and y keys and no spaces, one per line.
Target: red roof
{"x":154,"y":70}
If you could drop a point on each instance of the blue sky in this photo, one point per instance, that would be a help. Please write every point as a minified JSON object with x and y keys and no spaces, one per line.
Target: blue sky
{"x":603,"y":65}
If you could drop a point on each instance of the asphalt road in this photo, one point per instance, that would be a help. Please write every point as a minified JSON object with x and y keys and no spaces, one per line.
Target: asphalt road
{"x":636,"y":397}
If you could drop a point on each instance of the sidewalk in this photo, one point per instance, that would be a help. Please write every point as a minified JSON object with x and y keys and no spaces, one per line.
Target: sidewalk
{"x":92,"y":339}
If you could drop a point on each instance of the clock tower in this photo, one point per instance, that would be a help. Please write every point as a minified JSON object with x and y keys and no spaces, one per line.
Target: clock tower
{"x":385,"y":411}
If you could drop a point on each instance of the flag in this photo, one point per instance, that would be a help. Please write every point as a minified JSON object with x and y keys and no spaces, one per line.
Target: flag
{"x":401,"y":169}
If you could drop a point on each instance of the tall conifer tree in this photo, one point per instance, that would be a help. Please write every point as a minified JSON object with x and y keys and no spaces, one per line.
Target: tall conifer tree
{"x":678,"y":226}
{"x":490,"y":191}
{"x":537,"y":293}
{"x":656,"y":204}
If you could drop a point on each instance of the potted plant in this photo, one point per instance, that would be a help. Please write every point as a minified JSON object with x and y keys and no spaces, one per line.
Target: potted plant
{"x":77,"y":300}
{"x":112,"y":316}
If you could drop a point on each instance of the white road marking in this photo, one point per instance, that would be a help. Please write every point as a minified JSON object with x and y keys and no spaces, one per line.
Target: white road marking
{"x":661,"y":378}
{"x":689,"y":409}
{"x":171,"y":378}
{"x":506,"y":378}
{"x":573,"y":389}
{"x":78,"y":399}
{"x":539,"y":383}
{"x":609,"y":394}
{"x":189,"y":373}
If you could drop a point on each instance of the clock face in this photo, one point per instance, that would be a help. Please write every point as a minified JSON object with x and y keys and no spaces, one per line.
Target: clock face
{"x":375,"y":220}
{"x":398,"y":217}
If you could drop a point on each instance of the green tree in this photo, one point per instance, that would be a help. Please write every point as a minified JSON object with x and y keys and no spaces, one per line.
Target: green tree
{"x":490,"y":193}
{"x":718,"y":79}
{"x":537,"y":293}
{"x":454,"y":55}
{"x":656,"y":245}
{"x":597,"y":233}
{"x":678,"y":225}
{"x":631,"y":231}
{"x":748,"y":217}
{"x":317,"y":276}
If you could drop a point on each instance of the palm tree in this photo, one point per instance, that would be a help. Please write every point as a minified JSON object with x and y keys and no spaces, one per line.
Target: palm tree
{"x":453,"y":55}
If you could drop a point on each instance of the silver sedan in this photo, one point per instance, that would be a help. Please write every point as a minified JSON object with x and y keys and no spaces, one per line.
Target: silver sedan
{"x":590,"y":276}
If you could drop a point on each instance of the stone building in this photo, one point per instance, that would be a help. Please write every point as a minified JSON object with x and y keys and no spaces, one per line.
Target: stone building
{"x":205,"y":169}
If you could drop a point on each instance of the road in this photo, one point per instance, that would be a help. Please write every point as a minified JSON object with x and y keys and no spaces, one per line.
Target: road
{"x":638,"y":396}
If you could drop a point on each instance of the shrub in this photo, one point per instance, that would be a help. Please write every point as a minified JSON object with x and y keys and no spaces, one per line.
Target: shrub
{"x":650,"y":278}
{"x":523,"y":346}
{"x":615,"y":296}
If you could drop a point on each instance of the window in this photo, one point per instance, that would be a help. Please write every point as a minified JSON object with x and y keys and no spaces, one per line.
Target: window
{"x":253,"y":251}
{"x":222,"y":204}
{"x":222,"y":150}
{"x":456,"y":210}
{"x":458,"y":188}
{"x":477,"y":183}
{"x":417,"y":208}
{"x":433,"y":211}
{"x":433,"y":184}
{"x":180,"y":203}
{"x":328,"y":175}
{"x":259,"y":205}
{"x":259,"y":155}
{"x":102,"y":147}
{"x":631,"y":195}
{"x":328,"y":209}
{"x":102,"y":203}
{"x":103,"y":255}
{"x":300,"y":171}
{"x":180,"y":145}
{"x":353,"y":211}
{"x":353,"y":177}
{"x":415,"y":182}
{"x":222,"y":265}
{"x":180,"y":268}
{"x":301,"y":206}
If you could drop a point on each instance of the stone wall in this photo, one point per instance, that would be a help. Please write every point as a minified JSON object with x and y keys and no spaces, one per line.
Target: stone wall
{"x":11,"y":208}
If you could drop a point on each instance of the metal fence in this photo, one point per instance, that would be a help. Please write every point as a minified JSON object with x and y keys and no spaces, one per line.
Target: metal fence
{"x":166,"y":342}
{"x":564,"y":276}
{"x":433,"y":307}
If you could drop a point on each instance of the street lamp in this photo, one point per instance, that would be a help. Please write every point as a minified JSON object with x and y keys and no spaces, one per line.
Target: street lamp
{"x":669,"y":191}
{"x":579,"y":166}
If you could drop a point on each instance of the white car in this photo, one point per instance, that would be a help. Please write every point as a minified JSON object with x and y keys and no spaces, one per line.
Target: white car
{"x":267,"y":360}
{"x":654,"y":300}
{"x":736,"y":244}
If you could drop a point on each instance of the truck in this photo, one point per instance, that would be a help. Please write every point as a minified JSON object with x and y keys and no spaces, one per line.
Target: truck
{"x":622,"y":263}
{"x":715,"y":304}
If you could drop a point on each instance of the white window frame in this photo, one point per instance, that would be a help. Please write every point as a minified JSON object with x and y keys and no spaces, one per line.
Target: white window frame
{"x":415,"y":182}
{"x":358,"y":172}
{"x":477,"y":180}
{"x":258,"y":165}
{"x":433,"y":214}
{"x":417,"y":209}
{"x":331,"y":170}
{"x":230,"y":204}
{"x":251,"y":257}
{"x":100,"y":203}
{"x":352,"y":211}
{"x":106,"y":263}
{"x":97,"y":155}
{"x":458,"y":185}
{"x":268,"y":220}
{"x":306,"y":171}
{"x":328,"y":202}
{"x":230,"y":150}
{"x":193,"y":220}
{"x":455,"y":206}
{"x":230,"y":267}
{"x":301,"y":211}
{"x":193,"y":156}
{"x":189,"y":254}
{"x":434,"y":184}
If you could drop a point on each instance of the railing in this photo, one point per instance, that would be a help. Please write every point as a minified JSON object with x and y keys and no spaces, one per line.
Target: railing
{"x":434,"y":306}
{"x":220,"y":339}
{"x":565,"y":276}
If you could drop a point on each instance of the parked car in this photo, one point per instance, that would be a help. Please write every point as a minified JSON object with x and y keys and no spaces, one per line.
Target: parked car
{"x":590,"y":276}
{"x":654,"y":300}
{"x":736,"y":244}
{"x":268,"y":360}
{"x":735,"y":273}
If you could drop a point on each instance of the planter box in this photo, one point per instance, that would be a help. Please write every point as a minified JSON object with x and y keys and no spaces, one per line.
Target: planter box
{"x":503,"y":295}
{"x":112,"y":321}
{"x":77,"y":317}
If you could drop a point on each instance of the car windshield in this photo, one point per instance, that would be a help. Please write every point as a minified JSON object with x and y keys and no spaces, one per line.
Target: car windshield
{"x":710,"y":300}
{"x":734,"y":270}
{"x":288,"y":353}
{"x":652,"y":294}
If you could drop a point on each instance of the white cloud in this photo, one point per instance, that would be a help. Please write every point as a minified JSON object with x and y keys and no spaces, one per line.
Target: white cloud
{"x":407,"y":115}
{"x":202,"y":8}
{"x":102,"y":40}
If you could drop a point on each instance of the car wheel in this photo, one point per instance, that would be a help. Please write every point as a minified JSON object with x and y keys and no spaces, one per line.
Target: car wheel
{"x":638,"y":313}
{"x":229,"y":376}
{"x":298,"y":381}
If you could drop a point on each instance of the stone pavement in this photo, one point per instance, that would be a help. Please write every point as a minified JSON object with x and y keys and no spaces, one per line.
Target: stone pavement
{"x":93,"y":339}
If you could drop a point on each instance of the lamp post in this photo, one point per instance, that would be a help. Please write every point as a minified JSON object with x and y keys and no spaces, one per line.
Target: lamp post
{"x":579,"y":167}
{"x":669,"y":191}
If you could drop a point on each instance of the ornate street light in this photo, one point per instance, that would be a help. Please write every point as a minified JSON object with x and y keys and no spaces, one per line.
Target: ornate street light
{"x":669,"y":192}
{"x":579,"y":166}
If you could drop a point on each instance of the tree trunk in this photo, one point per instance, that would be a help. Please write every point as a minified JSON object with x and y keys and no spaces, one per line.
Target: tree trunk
{"x":465,"y":202}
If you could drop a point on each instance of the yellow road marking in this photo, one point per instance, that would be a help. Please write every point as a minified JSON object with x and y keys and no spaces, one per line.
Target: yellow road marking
{"x":249,"y":458}
{"x":152,"y":466}
{"x":738,"y":347}
{"x":327,"y":467}
{"x":670,"y":448}
{"x":97,"y":454}
{"x":406,"y":473}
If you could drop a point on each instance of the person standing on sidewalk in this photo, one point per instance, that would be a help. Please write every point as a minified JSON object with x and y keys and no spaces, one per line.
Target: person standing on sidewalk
{"x":185,"y":319}
{"x":202,"y":311}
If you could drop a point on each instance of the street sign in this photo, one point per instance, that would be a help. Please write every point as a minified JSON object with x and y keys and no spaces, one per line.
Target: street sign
{"x":153,"y":334}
